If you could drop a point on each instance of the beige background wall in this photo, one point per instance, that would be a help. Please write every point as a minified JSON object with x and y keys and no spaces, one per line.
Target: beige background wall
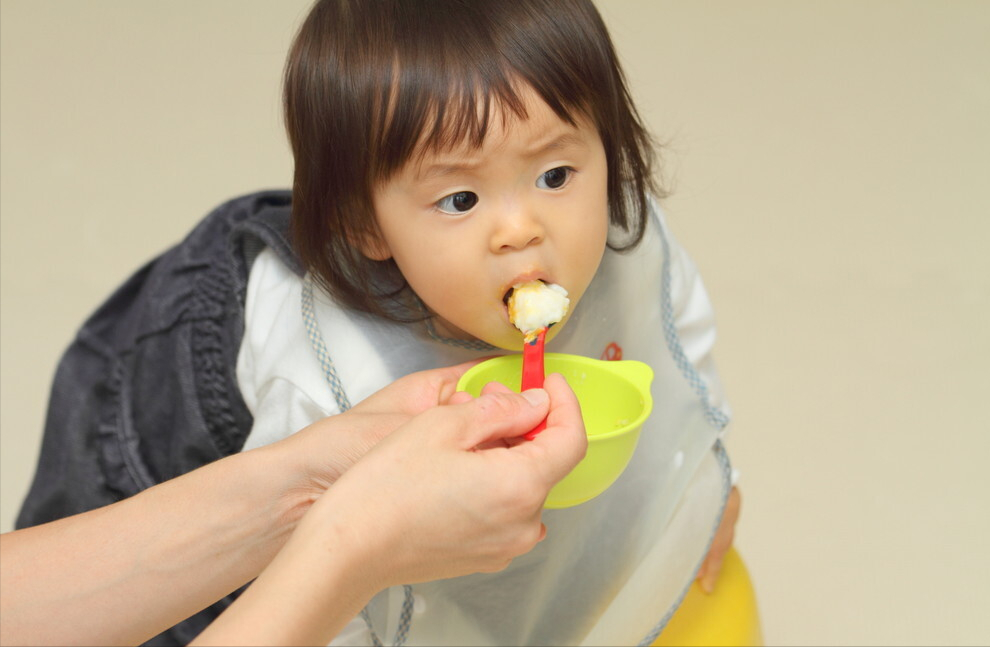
{"x":830,"y":169}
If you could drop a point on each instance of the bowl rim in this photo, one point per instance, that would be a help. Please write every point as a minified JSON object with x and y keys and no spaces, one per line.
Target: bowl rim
{"x":633,"y":425}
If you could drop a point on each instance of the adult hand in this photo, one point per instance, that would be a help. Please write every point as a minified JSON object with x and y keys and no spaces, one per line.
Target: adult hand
{"x":424,"y":504}
{"x":323,"y":451}
{"x":449,"y":493}
{"x":463,"y":493}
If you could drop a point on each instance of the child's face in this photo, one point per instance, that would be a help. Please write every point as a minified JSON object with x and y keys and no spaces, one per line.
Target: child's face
{"x":465,"y":225}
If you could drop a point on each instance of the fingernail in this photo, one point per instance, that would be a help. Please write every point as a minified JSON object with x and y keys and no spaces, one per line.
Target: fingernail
{"x":535,"y":397}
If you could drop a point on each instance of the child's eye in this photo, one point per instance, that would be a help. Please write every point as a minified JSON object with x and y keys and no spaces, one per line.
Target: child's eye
{"x":555,"y":178}
{"x":457,"y":203}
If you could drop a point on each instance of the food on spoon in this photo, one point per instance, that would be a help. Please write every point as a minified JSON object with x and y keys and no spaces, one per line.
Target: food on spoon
{"x":535,"y":305}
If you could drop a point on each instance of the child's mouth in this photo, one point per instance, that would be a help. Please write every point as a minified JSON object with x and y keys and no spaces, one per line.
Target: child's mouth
{"x":508,"y":293}
{"x":535,"y":305}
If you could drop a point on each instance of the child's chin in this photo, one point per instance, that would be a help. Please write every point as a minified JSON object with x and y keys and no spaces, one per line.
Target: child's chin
{"x":510,"y":340}
{"x":515,"y":346}
{"x":513,"y":341}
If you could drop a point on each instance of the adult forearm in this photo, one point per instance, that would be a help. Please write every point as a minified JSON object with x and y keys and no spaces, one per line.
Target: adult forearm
{"x":320,"y":580}
{"x":121,"y":574}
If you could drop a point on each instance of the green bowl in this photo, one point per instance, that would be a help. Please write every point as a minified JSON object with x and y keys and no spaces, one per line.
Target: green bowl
{"x":615,"y":402}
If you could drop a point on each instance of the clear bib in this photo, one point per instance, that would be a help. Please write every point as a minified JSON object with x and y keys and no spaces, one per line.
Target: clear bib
{"x":610,"y":571}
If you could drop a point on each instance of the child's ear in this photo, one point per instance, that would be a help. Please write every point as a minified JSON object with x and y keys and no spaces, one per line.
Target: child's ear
{"x":373,"y":246}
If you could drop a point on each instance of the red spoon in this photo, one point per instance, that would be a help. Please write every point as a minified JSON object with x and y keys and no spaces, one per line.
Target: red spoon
{"x":533,"y":373}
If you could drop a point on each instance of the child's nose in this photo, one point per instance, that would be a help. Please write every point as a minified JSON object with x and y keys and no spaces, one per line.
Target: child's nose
{"x":516,"y":228}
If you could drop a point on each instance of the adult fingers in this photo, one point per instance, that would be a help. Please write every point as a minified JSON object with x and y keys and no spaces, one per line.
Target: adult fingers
{"x":460,"y":397}
{"x":564,"y":442}
{"x":500,"y":440}
{"x":417,"y":392}
{"x":564,"y":408}
{"x":496,"y":415}
{"x":495,"y":387}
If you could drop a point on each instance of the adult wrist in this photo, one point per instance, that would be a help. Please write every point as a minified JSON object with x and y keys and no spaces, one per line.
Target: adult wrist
{"x":352,"y":548}
{"x":320,"y":579}
{"x":302,"y":467}
{"x":280,"y":472}
{"x":311,"y":460}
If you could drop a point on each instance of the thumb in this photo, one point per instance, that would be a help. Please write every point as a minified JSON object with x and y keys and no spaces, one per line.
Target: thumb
{"x":502,"y":415}
{"x":562,"y":445}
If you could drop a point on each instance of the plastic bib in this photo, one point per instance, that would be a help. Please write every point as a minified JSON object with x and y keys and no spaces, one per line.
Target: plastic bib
{"x":610,"y":571}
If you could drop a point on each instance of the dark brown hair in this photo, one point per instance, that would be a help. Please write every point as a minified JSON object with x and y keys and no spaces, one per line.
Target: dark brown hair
{"x":370,"y":83}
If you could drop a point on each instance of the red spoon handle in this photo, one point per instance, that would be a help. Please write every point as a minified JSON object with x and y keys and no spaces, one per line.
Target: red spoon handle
{"x":533,"y":373}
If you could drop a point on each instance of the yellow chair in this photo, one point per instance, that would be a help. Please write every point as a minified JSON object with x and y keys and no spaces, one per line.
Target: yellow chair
{"x":727,"y":617}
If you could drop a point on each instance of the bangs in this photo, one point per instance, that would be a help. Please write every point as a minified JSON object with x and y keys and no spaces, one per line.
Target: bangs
{"x":447,"y":74}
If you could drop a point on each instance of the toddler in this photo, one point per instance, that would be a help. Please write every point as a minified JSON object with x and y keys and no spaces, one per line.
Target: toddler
{"x":444,"y":152}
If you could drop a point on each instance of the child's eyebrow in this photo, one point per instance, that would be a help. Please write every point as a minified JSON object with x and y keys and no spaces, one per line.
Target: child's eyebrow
{"x":565,"y":140}
{"x":442,"y":169}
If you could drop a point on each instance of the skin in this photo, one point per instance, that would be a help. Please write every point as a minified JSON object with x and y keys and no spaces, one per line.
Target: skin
{"x":712,"y":566}
{"x":123,"y":573}
{"x":538,"y":209}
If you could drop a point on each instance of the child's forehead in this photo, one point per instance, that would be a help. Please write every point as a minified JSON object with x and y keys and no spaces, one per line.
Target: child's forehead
{"x":462,"y":123}
{"x":528,"y":145}
{"x":531,"y":125}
